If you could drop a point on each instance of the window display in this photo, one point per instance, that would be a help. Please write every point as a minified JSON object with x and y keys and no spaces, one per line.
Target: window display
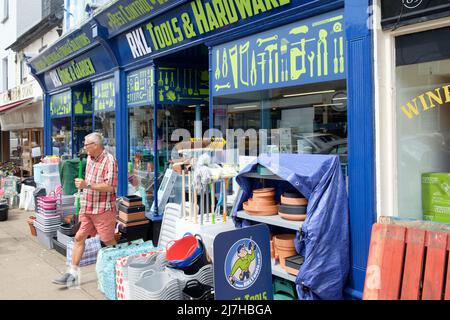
{"x":62,"y":137}
{"x":305,"y":119}
{"x":423,"y":126}
{"x":105,"y":123}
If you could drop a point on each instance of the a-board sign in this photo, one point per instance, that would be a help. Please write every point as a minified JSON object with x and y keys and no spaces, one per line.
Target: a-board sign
{"x":242,"y":265}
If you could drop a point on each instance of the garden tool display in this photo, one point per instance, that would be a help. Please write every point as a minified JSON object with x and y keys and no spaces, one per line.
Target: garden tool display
{"x":335,"y":61}
{"x":183,"y":191}
{"x":225,"y":86}
{"x":270,"y":48}
{"x":234,"y":64}
{"x":311,"y":57}
{"x":190,"y":193}
{"x":190,"y":90}
{"x":225,"y":187}
{"x":260,"y":41}
{"x":262,"y":63}
{"x":195,"y":205}
{"x":253,"y":76}
{"x":243,"y":49}
{"x":212,"y":186}
{"x":224,"y":64}
{"x":217,"y":73}
{"x":341,"y":58}
{"x":178,"y":89}
{"x":322,"y":43}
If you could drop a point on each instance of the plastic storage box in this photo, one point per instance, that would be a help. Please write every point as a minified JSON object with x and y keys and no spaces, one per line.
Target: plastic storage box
{"x":50,"y":168}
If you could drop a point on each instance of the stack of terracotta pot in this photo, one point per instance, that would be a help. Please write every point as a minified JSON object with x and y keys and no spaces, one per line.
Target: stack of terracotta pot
{"x":284,"y":247}
{"x":293,"y":206}
{"x":263,"y":203}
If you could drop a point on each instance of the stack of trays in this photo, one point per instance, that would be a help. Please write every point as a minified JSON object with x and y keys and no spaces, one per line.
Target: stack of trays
{"x":48,"y":219}
{"x":293,"y":206}
{"x":68,"y":205}
{"x":263,"y":203}
{"x":293,"y":264}
{"x":155,"y":285}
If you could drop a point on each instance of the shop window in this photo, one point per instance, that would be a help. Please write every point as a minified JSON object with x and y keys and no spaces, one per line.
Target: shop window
{"x":62,"y":137}
{"x":105,"y":123}
{"x":140,"y":157}
{"x":423,"y":125}
{"x":306,"y":119}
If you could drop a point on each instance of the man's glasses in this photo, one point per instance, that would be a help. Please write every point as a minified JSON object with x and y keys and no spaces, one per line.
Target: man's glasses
{"x":88,"y":144}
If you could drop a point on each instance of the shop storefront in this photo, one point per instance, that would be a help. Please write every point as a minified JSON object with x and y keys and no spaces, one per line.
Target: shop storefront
{"x":22,"y":125}
{"x":415,"y":121}
{"x":149,"y":76}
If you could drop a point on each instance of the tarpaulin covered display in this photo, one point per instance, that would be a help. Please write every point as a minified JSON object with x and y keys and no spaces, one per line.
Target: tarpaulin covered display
{"x":324,"y":238}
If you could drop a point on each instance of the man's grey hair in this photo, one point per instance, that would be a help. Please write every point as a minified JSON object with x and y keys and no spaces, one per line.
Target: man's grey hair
{"x":95,"y":137}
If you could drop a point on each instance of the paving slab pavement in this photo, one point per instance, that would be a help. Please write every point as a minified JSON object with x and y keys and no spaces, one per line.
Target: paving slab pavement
{"x":27,"y":268}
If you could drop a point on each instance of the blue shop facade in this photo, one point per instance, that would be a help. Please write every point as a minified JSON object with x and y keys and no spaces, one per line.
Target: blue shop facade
{"x":139,"y":70}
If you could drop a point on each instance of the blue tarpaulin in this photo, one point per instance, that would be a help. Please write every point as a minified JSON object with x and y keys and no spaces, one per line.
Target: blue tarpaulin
{"x":324,"y":239}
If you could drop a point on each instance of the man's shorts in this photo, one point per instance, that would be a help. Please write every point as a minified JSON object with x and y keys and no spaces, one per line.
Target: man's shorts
{"x":103,"y":224}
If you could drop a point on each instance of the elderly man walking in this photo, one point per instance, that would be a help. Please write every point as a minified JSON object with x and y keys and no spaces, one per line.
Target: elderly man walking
{"x":98,"y":204}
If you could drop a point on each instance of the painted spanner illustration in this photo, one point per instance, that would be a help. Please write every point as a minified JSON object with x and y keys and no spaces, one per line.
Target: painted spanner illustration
{"x":225,"y":86}
{"x":260,"y":41}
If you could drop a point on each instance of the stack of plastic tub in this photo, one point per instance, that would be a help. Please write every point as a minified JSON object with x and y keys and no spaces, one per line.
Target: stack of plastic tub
{"x":50,"y":176}
{"x":48,"y":220}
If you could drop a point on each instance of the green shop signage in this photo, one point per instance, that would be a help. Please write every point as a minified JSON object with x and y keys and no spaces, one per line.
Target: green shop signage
{"x":104,"y":95}
{"x":195,"y":20}
{"x":82,"y":102}
{"x":61,"y":104}
{"x":62,"y":50}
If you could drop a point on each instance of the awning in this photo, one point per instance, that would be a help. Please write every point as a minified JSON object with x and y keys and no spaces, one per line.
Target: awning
{"x":24,"y":114}
{"x":15,"y":104}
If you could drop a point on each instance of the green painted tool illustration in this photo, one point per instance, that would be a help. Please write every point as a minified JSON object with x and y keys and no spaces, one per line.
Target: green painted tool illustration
{"x":243,"y":49}
{"x":253,"y":75}
{"x":172,"y":84}
{"x":178,"y":89}
{"x":190,"y":91}
{"x":233,"y":51}
{"x":225,"y":86}
{"x":262,"y":63}
{"x":184,"y":82}
{"x":78,"y":104}
{"x":225,"y":64}
{"x":166,"y":87}
{"x":335,"y":61}
{"x":217,"y":73}
{"x":325,"y":21}
{"x":261,"y":41}
{"x":311,"y":57}
{"x":195,"y":82}
{"x":160,"y":81}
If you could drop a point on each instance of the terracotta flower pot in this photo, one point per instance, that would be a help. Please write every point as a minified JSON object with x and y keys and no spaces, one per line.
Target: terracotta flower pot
{"x":30,"y":221}
{"x":283,"y":253}
{"x":284,"y":247}
{"x":292,"y":217}
{"x":294,"y":201}
{"x":261,"y":201}
{"x":262,"y":210}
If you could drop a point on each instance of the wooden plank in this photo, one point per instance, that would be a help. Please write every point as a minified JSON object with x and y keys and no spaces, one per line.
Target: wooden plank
{"x":447,"y":286}
{"x":385,"y":263}
{"x":412,"y":272}
{"x":433,"y":282}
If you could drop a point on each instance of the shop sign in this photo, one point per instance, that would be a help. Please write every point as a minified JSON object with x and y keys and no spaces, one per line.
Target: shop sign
{"x":303,"y":52}
{"x":19,"y":93}
{"x":402,"y":12}
{"x":93,"y":63}
{"x":140,"y":88}
{"x":183,"y":86}
{"x":67,"y":47}
{"x":426,"y":101}
{"x":61,"y":104}
{"x":193,"y":21}
{"x":104,"y":95}
{"x":242,"y":265}
{"x":82,"y":102}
